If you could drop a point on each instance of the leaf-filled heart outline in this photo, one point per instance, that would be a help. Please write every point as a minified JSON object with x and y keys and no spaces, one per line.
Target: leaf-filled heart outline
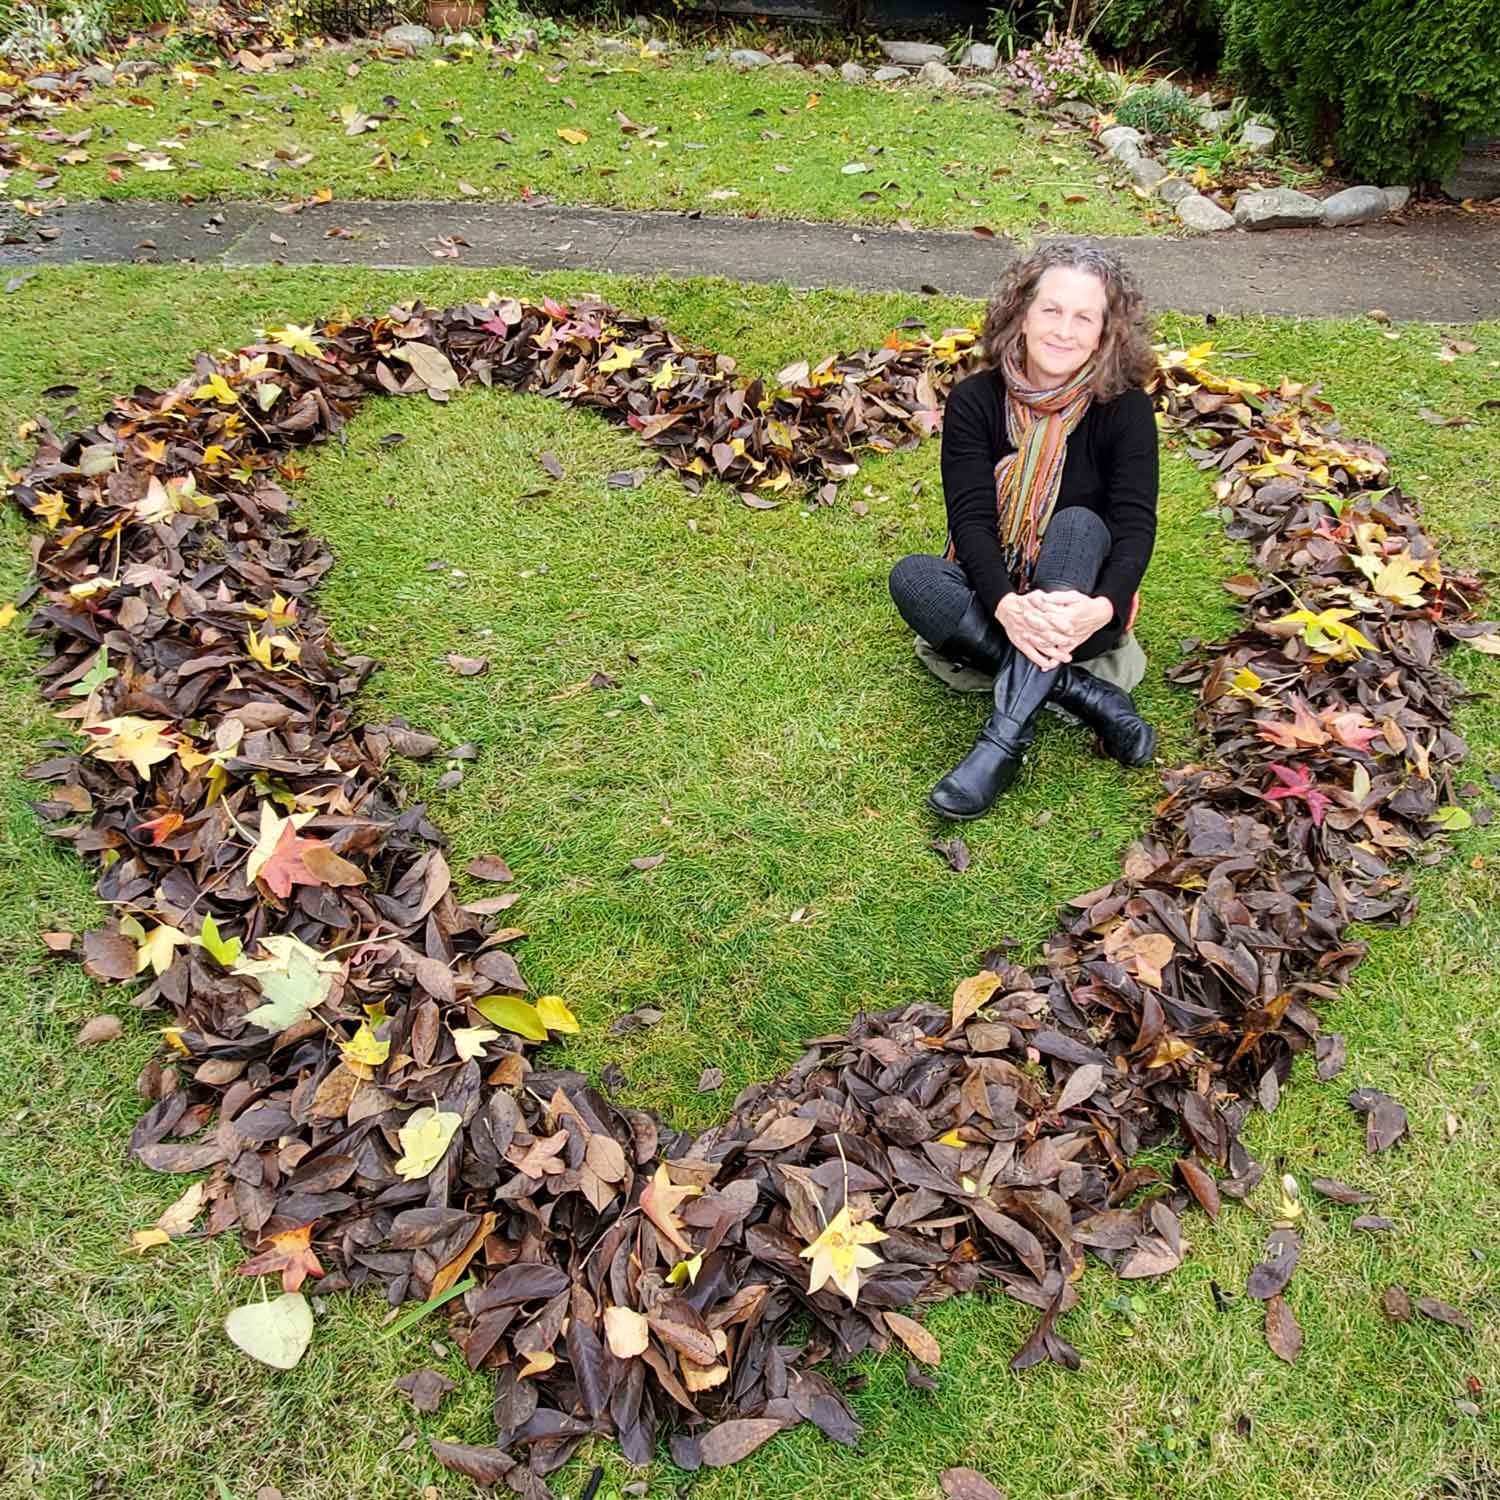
{"x":630,"y":1278}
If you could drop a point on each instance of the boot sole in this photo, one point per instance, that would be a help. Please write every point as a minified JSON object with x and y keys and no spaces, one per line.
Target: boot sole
{"x":956,"y":817}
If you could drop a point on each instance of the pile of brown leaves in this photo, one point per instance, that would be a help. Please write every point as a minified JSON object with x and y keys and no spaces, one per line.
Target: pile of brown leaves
{"x":349,"y":1048}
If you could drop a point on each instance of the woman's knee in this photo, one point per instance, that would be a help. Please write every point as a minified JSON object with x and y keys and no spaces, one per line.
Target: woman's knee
{"x":912,"y":578}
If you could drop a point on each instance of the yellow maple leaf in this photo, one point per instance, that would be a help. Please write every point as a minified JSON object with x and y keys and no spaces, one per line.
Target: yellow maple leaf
{"x":555,"y":1014}
{"x":841,"y":1252}
{"x":295,"y":340}
{"x":1402,"y":577}
{"x":1245,"y":684}
{"x":158,"y":948}
{"x":51,"y":507}
{"x":141,"y":743}
{"x":216,"y":388}
{"x":1328,"y":633}
{"x":573,"y":136}
{"x":365,"y":1048}
{"x":619,"y":359}
{"x":424,"y":1138}
{"x":665,"y":374}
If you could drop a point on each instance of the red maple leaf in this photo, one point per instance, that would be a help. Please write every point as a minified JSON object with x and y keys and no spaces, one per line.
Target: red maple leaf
{"x":290,"y":1253}
{"x":1298,"y":783}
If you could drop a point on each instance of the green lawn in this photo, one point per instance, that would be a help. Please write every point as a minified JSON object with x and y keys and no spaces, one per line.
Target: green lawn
{"x":694,"y":137}
{"x":780,"y":764}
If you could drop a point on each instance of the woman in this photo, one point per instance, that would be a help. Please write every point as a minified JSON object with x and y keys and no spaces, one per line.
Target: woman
{"x":1050,"y":477}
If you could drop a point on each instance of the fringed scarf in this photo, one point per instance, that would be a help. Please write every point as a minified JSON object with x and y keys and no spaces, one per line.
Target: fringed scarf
{"x":1027,"y":481}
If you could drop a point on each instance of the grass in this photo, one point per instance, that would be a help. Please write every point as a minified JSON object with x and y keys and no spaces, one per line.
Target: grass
{"x":780,"y":764}
{"x":771,"y":143}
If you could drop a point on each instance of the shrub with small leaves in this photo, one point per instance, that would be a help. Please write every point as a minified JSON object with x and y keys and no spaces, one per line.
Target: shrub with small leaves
{"x":1159,"y":109}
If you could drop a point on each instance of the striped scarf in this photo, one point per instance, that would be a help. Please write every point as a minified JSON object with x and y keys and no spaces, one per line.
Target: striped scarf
{"x":1027,"y":481}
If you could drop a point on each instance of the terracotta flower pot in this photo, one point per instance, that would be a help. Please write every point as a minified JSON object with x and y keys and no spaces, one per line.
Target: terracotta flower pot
{"x":453,"y":15}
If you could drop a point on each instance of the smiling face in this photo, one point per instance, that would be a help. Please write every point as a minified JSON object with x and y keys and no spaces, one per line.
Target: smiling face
{"x":1063,"y":325}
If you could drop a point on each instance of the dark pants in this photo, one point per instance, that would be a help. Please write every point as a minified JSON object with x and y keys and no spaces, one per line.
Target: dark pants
{"x":932,"y":593}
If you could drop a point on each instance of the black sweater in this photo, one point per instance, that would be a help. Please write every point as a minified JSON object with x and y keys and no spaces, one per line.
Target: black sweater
{"x":1110,"y":467}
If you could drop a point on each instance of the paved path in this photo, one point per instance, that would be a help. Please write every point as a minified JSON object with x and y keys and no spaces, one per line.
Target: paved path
{"x":1442,"y":268}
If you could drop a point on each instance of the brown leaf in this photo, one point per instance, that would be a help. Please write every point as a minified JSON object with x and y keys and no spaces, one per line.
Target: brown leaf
{"x":1442,"y":1312}
{"x":968,"y":1484}
{"x":1397,"y":1303}
{"x":710,"y":1079}
{"x":488,"y":867}
{"x":108,"y":955}
{"x":467,"y":666}
{"x":100,"y":1029}
{"x":919,"y":1342}
{"x":1341,"y":1192}
{"x":955,"y":851}
{"x":647,"y":861}
{"x":1283,"y":1333}
{"x":484,"y":1465}
{"x":1385,"y":1119}
{"x":1082,"y":1085}
{"x":1200,"y":1184}
{"x":425,"y":1389}
{"x":731,"y":1441}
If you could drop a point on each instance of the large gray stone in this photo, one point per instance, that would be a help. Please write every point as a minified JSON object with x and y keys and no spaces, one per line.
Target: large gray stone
{"x":98,"y":74}
{"x":750,"y":57}
{"x":1202,"y":214}
{"x":853,"y":72}
{"x":1173,"y":190}
{"x":1216,"y":119}
{"x":1356,"y":205}
{"x":45,"y":83}
{"x":1123,"y":142}
{"x":657,"y":47}
{"x":976,"y":88}
{"x":1474,"y":177}
{"x":825,"y":70}
{"x":1396,"y":198}
{"x":407,"y":38}
{"x":615,"y":47}
{"x":1075,"y":109}
{"x":913,"y":54}
{"x":891,"y":75}
{"x":936,"y":76}
{"x":1148,"y":172}
{"x":980,"y":56}
{"x":1277,"y":208}
{"x":141,"y":67}
{"x":1257,"y":137}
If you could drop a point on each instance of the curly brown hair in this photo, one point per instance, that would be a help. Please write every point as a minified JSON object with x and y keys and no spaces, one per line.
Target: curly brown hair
{"x":1124,"y":358}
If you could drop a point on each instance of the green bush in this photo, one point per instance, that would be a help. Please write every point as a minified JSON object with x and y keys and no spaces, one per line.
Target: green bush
{"x":1187,"y":32}
{"x":1157,"y":109}
{"x":1388,"y":88}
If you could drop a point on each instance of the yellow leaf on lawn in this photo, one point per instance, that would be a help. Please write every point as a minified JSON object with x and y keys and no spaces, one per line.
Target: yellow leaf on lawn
{"x":555,"y":1014}
{"x":841,"y":1252}
{"x":971,"y":993}
{"x":291,"y":338}
{"x":141,"y":743}
{"x":1403,"y":578}
{"x":1244,"y":683}
{"x":573,"y":136}
{"x":218,"y":389}
{"x":7,"y":614}
{"x":424,"y":1138}
{"x":619,"y":359}
{"x":514,"y":1014}
{"x":142,"y":1240}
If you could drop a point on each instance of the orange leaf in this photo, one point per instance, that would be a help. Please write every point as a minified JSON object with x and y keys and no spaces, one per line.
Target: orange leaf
{"x":290,"y":1253}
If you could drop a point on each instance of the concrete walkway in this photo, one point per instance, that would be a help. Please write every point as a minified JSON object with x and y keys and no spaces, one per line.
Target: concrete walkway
{"x":1442,"y":268}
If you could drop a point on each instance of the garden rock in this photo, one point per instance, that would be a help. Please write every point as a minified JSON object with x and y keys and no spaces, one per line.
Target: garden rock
{"x":1123,"y":142}
{"x":1473,"y":177}
{"x":853,"y":72}
{"x":1203,"y":214}
{"x":99,"y":75}
{"x":407,"y":38}
{"x":1174,"y":189}
{"x":656,"y":47}
{"x":45,"y":84}
{"x":1356,"y":205}
{"x":1277,"y":208}
{"x":1396,"y":198}
{"x":980,"y":56}
{"x":1075,"y":109}
{"x":749,"y":57}
{"x":615,"y":46}
{"x":979,"y":90}
{"x":825,"y":70}
{"x":1148,"y":172}
{"x":139,"y":67}
{"x":1257,"y":137}
{"x":891,"y":75}
{"x":913,"y":54}
{"x":935,"y":75}
{"x":1215,"y":120}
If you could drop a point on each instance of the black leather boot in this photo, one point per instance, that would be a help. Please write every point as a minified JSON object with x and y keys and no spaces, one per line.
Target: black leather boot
{"x":967,"y":791}
{"x":1107,"y":710}
{"x":977,"y":640}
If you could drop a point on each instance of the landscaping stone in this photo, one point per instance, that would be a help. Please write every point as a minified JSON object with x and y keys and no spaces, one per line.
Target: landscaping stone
{"x":1205,"y":100}
{"x":656,"y":47}
{"x":1396,"y":198}
{"x":853,"y":72}
{"x":407,"y":38}
{"x":1257,"y":137}
{"x":1148,"y":172}
{"x":749,"y":57}
{"x":1075,"y":109}
{"x":1277,"y":208}
{"x":140,"y":67}
{"x":1173,"y":190}
{"x":1123,"y":142}
{"x":98,"y":75}
{"x":935,"y":75}
{"x":1473,"y":177}
{"x":615,"y":47}
{"x":980,"y":56}
{"x":1216,"y":120}
{"x":979,"y":90}
{"x":825,"y":70}
{"x":1356,"y":205}
{"x":890,"y":75}
{"x":45,"y":83}
{"x":713,"y":55}
{"x":1203,"y":214}
{"x":913,"y":54}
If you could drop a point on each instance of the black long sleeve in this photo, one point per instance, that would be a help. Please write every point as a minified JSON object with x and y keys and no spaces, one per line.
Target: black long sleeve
{"x":1111,"y":467}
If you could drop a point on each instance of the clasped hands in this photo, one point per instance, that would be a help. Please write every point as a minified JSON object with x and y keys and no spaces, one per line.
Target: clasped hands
{"x":1047,"y":627}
